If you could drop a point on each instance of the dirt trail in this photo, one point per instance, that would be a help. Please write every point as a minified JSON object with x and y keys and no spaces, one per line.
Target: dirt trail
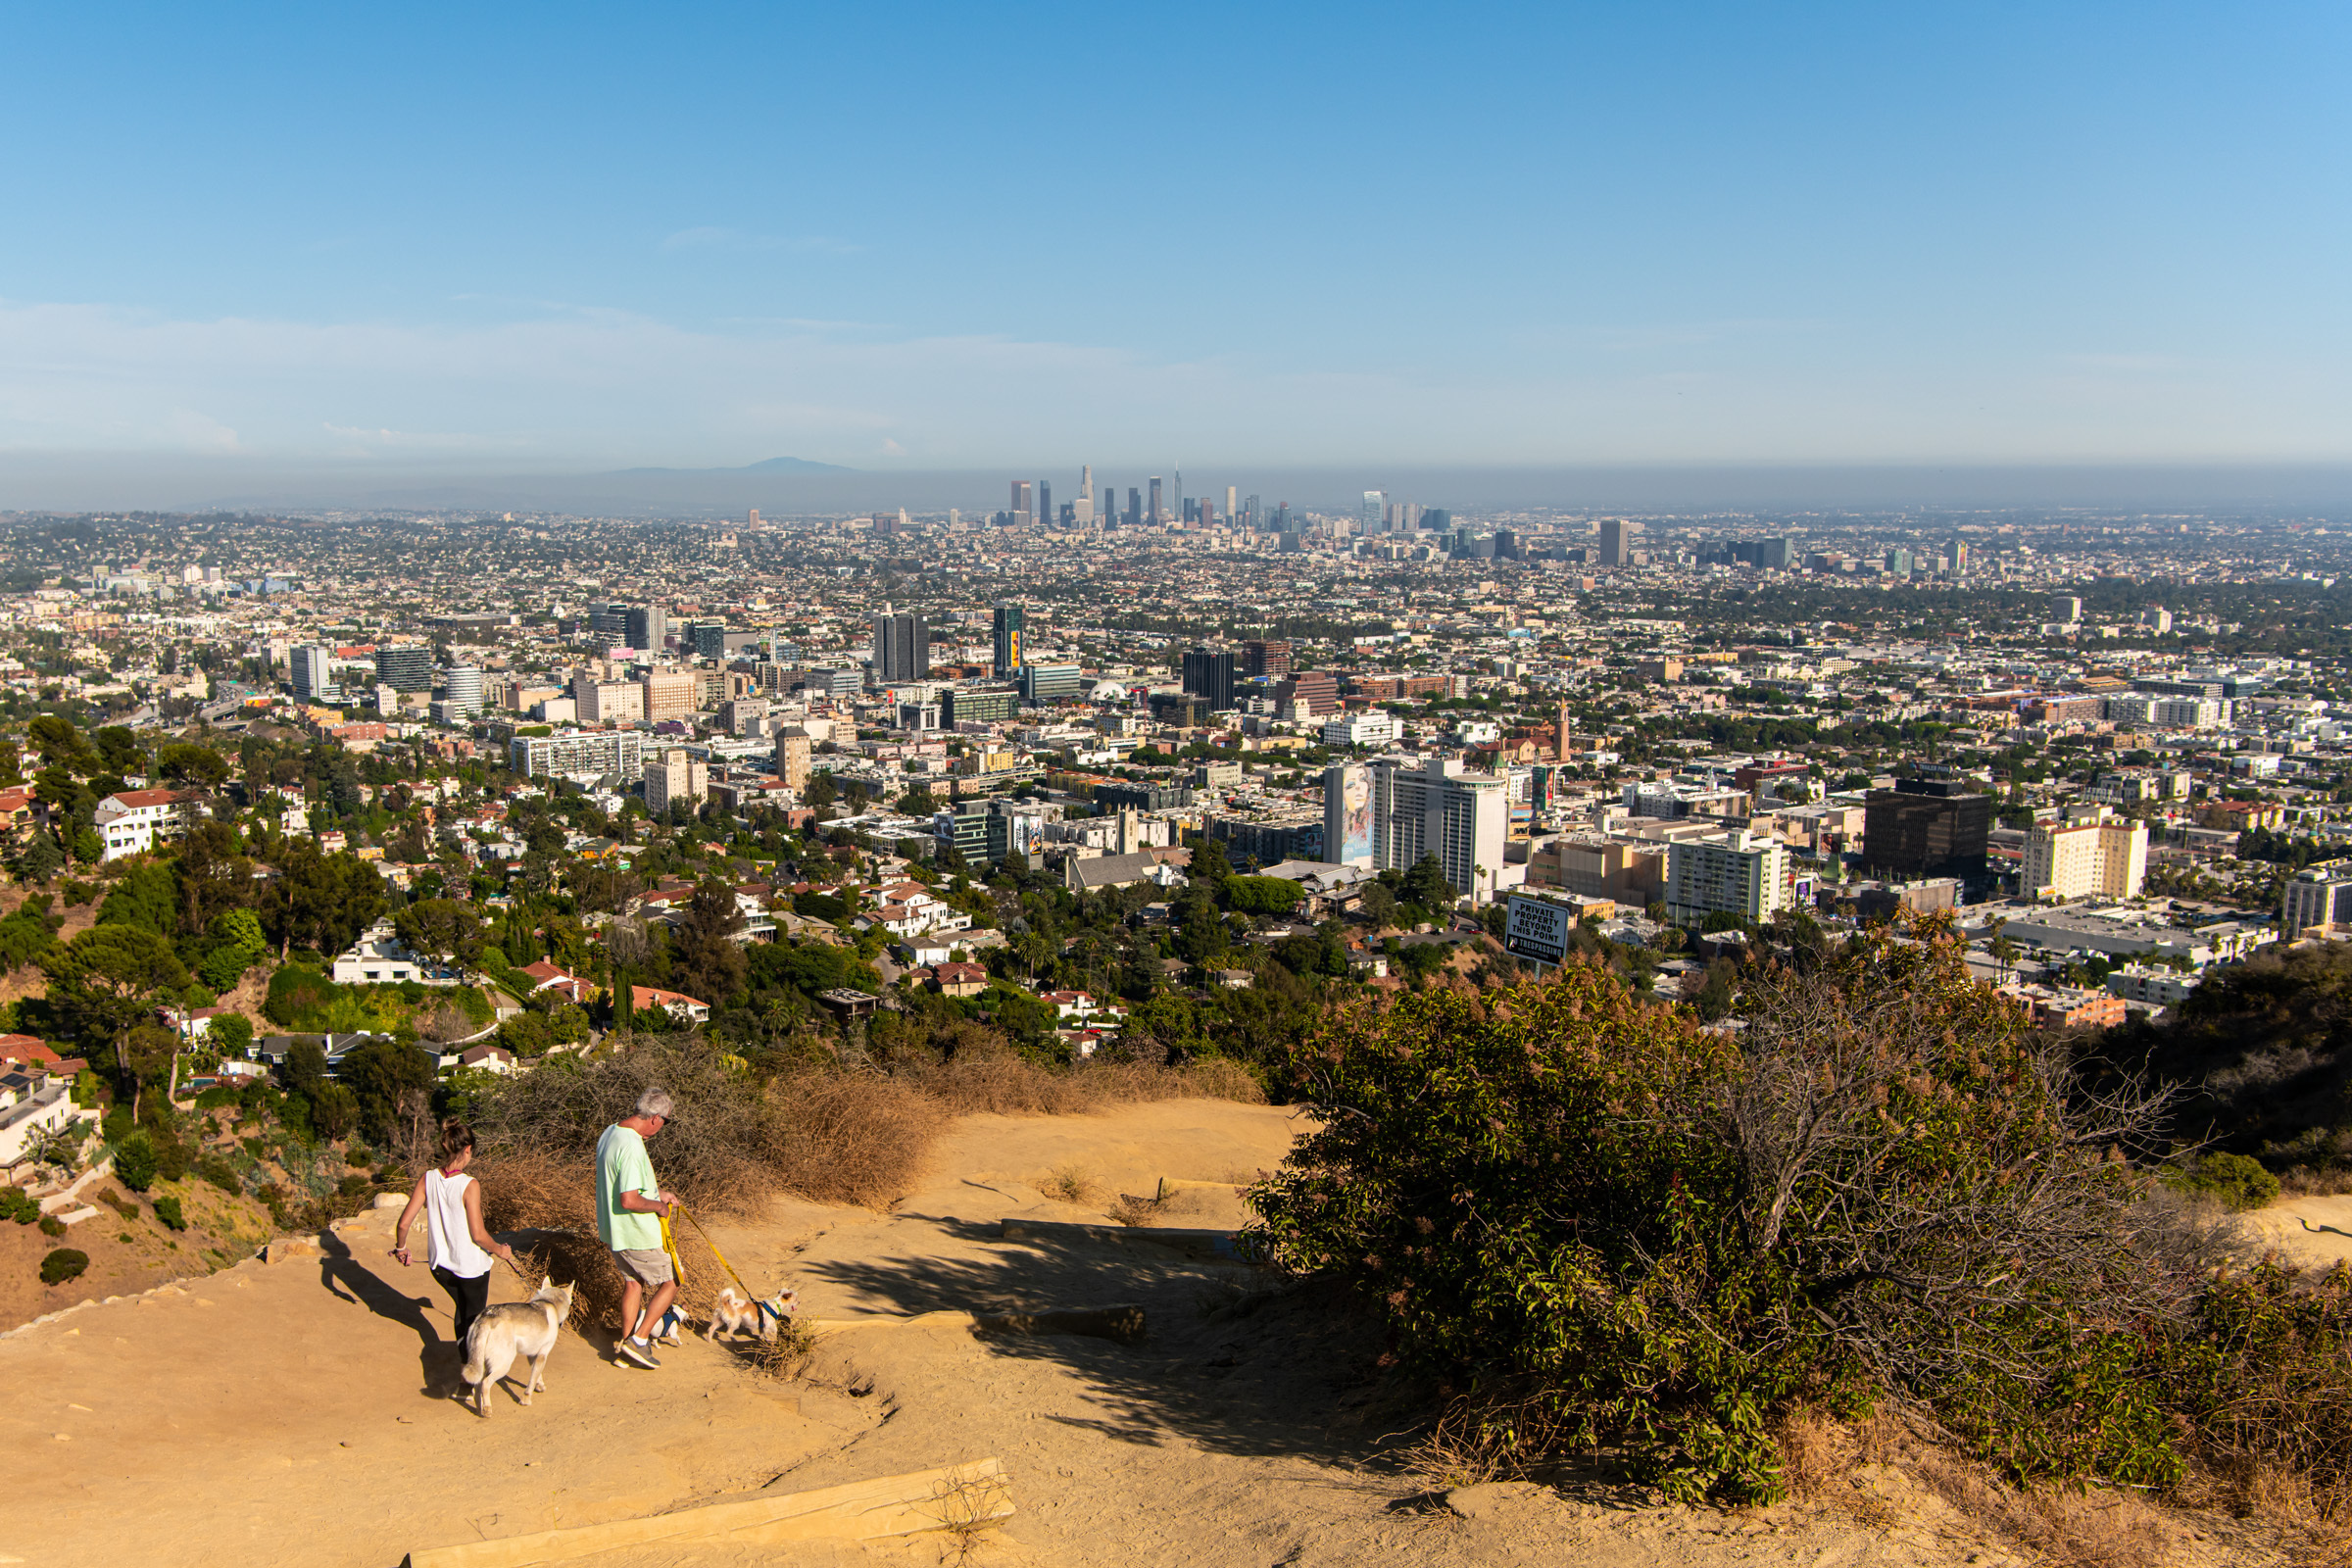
{"x":291,"y":1413}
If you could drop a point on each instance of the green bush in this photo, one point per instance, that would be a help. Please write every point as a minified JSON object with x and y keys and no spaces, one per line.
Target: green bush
{"x":19,"y":1206}
{"x":52,"y":1227}
{"x":220,"y":1172}
{"x":2237,"y":1182}
{"x":135,"y":1162}
{"x":167,"y":1210}
{"x":1620,"y":1231}
{"x":63,"y":1264}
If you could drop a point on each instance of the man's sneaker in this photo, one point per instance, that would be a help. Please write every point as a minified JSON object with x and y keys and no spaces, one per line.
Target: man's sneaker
{"x":636,"y":1351}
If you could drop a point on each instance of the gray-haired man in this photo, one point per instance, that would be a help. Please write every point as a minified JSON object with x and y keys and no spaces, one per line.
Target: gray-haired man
{"x":629,"y":1205}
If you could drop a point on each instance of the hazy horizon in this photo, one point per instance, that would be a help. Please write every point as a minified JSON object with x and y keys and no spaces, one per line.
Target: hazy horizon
{"x":178,"y":485}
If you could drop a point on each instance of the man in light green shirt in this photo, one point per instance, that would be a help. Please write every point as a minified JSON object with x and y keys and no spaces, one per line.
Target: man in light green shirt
{"x":629,"y":1206}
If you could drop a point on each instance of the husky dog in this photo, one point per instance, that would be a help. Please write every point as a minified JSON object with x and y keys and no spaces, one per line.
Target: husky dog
{"x":511,"y":1329}
{"x":733,"y":1316}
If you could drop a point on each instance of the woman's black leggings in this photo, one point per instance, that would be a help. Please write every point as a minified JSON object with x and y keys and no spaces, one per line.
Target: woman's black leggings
{"x":470,"y":1295}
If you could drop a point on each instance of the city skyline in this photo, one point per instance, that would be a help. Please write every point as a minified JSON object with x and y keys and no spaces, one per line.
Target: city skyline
{"x":1829,"y":239}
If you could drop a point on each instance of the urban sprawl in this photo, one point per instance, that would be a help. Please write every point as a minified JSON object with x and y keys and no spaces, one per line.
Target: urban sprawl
{"x":1124,"y":772}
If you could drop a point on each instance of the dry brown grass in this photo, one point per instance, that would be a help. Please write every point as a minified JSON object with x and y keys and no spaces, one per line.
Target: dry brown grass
{"x":827,"y":1134}
{"x":997,"y":1080}
{"x":1843,"y":1464}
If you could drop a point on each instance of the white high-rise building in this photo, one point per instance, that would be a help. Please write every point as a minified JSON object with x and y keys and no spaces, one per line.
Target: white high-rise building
{"x":1373,"y":516}
{"x":2093,"y":854}
{"x":674,"y":776}
{"x":1082,"y":510}
{"x":1736,"y":873}
{"x":313,"y":675}
{"x":464,"y":684}
{"x":1437,"y":808}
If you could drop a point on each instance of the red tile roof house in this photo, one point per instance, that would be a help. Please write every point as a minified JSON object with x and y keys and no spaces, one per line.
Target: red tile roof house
{"x":544,"y":976}
{"x":679,"y":1005}
{"x":25,"y":1050}
{"x":960,"y":979}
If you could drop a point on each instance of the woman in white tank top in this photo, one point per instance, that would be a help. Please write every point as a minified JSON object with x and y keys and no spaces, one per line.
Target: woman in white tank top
{"x":457,"y":1247}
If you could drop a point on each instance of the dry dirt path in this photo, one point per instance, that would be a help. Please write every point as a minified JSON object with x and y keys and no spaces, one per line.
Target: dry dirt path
{"x":291,"y":1414}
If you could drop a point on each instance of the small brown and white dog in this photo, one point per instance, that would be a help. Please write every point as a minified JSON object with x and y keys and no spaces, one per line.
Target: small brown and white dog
{"x":733,"y":1316}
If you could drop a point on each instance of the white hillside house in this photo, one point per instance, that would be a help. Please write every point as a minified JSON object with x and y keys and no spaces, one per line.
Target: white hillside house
{"x":133,"y":822}
{"x":379,"y":957}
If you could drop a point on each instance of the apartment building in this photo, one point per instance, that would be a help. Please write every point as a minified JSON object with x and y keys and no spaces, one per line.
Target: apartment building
{"x":1623,"y":871}
{"x":792,"y":758}
{"x":1437,"y":809}
{"x":618,"y":754}
{"x":1736,"y":873}
{"x":2092,"y":853}
{"x":675,"y":776}
{"x":2318,"y":901}
{"x":1374,"y":728}
{"x":608,"y":701}
{"x":669,"y":694}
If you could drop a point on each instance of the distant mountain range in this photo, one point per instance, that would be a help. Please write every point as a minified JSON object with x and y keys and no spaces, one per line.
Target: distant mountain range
{"x":771,"y":465}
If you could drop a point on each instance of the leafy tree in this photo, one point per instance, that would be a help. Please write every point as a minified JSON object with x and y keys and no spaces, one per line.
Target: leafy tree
{"x":302,"y":1068}
{"x":1650,"y":1236}
{"x":146,"y":896}
{"x":61,"y":744}
{"x":1425,"y":884}
{"x":335,"y":1112}
{"x":1210,"y":865}
{"x":40,"y":859}
{"x":1262,"y":895}
{"x":709,"y":956}
{"x":134,"y":1162}
{"x":107,"y":980}
{"x":440,"y":928}
{"x":320,"y":900}
{"x":118,"y":749}
{"x":380,"y":1073}
{"x":231,"y":1034}
{"x":198,"y":767}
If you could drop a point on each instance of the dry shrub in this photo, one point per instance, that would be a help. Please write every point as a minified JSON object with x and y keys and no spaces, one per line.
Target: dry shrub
{"x":1072,"y":1183}
{"x":1130,"y":1209}
{"x":2076,"y":1527}
{"x":843,"y":1137}
{"x":993,"y":1079}
{"x":1816,"y":1452}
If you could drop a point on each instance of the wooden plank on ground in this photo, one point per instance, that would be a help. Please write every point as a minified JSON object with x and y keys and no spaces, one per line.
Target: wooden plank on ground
{"x":955,"y":1497}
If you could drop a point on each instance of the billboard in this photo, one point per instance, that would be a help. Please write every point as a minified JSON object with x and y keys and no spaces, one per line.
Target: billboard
{"x":1348,"y":814}
{"x":1536,"y":929}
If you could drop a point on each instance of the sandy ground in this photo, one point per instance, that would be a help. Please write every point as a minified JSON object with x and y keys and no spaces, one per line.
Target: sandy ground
{"x":2312,"y":1232}
{"x":298,"y":1412}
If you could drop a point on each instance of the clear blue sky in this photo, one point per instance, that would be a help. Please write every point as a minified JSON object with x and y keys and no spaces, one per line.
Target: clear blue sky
{"x":518,"y":237}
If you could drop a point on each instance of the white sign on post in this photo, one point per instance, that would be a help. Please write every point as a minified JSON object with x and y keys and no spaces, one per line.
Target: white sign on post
{"x":1536,"y":929}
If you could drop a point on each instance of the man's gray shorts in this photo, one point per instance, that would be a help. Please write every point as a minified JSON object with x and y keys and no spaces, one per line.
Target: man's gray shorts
{"x":649,"y":1266}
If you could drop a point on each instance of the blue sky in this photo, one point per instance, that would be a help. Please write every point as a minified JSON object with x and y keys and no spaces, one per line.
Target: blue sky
{"x":517,"y":237}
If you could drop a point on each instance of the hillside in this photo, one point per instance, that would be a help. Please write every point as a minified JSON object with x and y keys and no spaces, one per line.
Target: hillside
{"x":292,"y":1413}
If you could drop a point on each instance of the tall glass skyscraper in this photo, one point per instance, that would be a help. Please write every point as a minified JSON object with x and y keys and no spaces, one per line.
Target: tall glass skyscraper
{"x":1011,"y":625}
{"x":1374,"y":516}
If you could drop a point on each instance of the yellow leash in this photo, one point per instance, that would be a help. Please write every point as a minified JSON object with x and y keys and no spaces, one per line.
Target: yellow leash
{"x":764,"y":1309}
